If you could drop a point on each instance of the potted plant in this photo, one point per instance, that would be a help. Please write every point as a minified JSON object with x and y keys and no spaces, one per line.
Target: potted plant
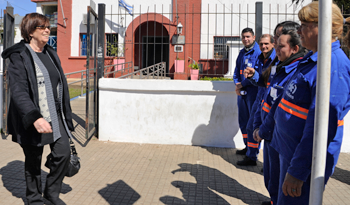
{"x":194,"y":69}
{"x":179,"y":65}
{"x":117,"y":51}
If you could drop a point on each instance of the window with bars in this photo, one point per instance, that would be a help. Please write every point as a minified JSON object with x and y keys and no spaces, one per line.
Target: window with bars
{"x":220,"y":47}
{"x":112,"y":47}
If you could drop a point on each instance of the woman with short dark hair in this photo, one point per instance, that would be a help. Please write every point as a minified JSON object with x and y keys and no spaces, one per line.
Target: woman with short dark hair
{"x":39,"y":111}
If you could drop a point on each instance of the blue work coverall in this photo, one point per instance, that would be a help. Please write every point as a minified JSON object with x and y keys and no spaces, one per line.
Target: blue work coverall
{"x":295,"y":116}
{"x":260,"y":66}
{"x":245,"y":102}
{"x":271,"y":98}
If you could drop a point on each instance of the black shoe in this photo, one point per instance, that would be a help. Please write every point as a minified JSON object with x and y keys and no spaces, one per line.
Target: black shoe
{"x":266,"y":203}
{"x":53,"y":201}
{"x":247,"y":162}
{"x":242,"y":152}
{"x":262,"y":170}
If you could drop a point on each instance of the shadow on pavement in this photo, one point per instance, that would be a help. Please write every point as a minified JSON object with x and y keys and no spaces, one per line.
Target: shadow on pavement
{"x":12,"y":176}
{"x":210,"y":180}
{"x":79,"y":133}
{"x":341,"y":175}
{"x":119,"y":193}
{"x":229,"y":155}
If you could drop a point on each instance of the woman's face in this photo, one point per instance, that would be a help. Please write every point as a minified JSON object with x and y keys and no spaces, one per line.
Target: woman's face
{"x":283,"y":50}
{"x":308,"y":32}
{"x":41,"y":34}
{"x":277,"y":35}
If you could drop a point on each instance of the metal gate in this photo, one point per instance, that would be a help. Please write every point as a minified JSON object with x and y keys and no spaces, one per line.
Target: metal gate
{"x":94,"y":66}
{"x":9,"y":35}
{"x":91,"y":63}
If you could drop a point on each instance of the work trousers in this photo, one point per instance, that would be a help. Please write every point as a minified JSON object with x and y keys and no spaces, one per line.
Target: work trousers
{"x":60,"y":150}
{"x":305,"y":189}
{"x":245,"y":104}
{"x":252,"y":145}
{"x":271,"y":171}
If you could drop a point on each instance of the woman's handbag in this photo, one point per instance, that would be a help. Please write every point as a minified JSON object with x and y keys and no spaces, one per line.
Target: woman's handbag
{"x":74,"y":164}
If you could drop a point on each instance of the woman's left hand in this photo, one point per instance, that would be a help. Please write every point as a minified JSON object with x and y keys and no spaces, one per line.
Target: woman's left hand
{"x":292,"y":186}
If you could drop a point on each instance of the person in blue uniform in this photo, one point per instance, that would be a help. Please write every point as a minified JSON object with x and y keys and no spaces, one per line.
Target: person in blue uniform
{"x":246,"y":92}
{"x":289,"y":52}
{"x":266,"y":44}
{"x":295,"y":114}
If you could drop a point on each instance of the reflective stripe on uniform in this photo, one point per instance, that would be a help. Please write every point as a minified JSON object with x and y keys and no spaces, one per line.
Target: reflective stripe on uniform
{"x":253,"y":145}
{"x":241,"y":72}
{"x":293,"y":109}
{"x":245,"y":135}
{"x":340,"y":123}
{"x":266,"y":107}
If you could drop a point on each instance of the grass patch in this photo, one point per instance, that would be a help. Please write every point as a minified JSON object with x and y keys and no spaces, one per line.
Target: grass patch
{"x":74,"y":92}
{"x":216,"y":79}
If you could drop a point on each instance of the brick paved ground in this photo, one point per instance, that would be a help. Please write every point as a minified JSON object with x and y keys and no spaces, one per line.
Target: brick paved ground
{"x":126,"y":173}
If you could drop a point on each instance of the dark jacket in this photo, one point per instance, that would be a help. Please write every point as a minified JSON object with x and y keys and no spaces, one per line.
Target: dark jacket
{"x":24,"y":103}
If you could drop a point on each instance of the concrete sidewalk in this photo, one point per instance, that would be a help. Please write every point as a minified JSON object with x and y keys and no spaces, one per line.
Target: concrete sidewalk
{"x":126,"y":173}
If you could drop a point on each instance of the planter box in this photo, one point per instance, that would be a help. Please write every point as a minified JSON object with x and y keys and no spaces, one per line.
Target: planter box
{"x":194,"y":74}
{"x":179,"y":66}
{"x":119,"y":61}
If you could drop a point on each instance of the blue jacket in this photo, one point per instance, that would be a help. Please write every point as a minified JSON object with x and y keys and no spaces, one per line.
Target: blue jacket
{"x":272,"y":97}
{"x":260,"y":67}
{"x":245,"y":59}
{"x":295,"y":114}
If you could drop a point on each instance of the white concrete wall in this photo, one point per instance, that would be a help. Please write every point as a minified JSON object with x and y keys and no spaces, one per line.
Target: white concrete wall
{"x":174,"y":112}
{"x":346,"y":137}
{"x":169,"y":112}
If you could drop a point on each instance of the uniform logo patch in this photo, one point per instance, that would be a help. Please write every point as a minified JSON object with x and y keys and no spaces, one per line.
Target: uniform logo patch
{"x":292,"y":87}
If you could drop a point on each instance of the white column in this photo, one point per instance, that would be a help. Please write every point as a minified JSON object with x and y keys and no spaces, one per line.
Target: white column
{"x":322,"y":102}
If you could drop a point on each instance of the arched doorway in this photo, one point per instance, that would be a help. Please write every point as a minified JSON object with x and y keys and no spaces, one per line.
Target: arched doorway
{"x":151,"y":45}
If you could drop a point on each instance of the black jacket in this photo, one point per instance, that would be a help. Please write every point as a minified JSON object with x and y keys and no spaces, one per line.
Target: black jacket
{"x":24,"y":103}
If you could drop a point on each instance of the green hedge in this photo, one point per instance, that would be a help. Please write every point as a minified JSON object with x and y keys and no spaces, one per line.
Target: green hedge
{"x":216,"y":79}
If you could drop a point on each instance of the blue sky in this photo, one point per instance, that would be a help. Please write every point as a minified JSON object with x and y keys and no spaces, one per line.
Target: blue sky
{"x":21,"y":7}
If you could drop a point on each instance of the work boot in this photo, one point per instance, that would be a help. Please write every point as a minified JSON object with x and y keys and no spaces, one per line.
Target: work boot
{"x":242,"y":152}
{"x":247,"y":162}
{"x":266,"y":203}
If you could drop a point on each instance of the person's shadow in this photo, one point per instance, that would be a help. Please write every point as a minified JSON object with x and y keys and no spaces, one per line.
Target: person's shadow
{"x":210,"y":180}
{"x":222,"y":125}
{"x":341,"y":175}
{"x":222,"y":128}
{"x":230,"y":156}
{"x":119,"y":193}
{"x":12,"y":176}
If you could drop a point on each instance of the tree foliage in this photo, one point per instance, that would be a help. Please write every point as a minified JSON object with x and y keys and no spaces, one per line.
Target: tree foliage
{"x":344,"y":5}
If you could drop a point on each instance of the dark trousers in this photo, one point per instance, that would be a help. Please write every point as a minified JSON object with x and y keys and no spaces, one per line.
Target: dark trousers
{"x":288,"y":200}
{"x":245,"y":104}
{"x":271,"y":171}
{"x":60,"y":151}
{"x":252,"y":145}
